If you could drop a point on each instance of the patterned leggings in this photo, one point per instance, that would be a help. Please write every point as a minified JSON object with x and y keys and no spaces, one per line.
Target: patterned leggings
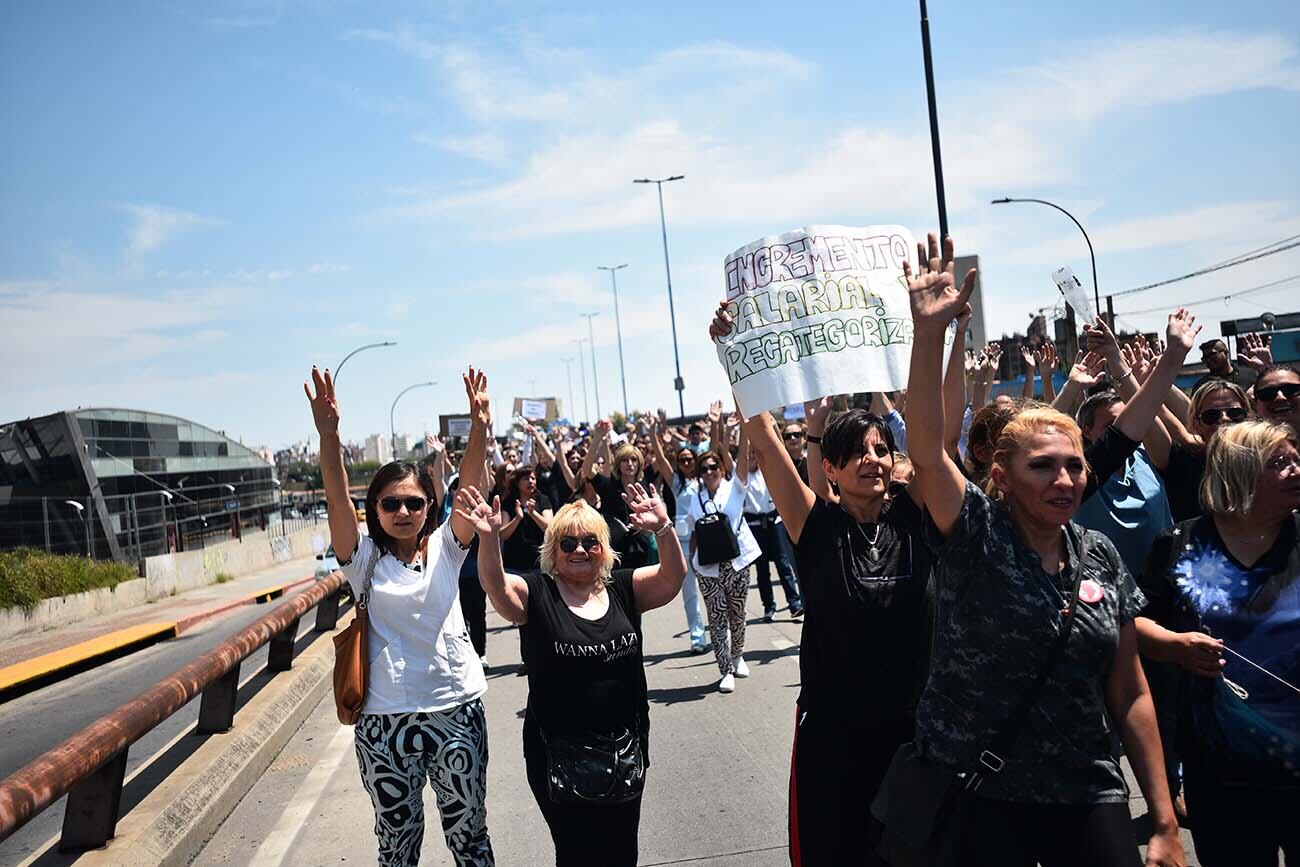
{"x":724,"y":599}
{"x":397,"y":752}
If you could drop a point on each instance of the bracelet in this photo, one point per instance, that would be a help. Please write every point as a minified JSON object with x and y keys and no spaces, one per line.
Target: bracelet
{"x":1125,"y":375}
{"x":815,"y":440}
{"x":662,"y":531}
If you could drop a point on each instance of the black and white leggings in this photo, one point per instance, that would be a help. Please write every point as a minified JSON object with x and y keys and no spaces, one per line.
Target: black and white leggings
{"x":398,"y":752}
{"x":724,"y":600}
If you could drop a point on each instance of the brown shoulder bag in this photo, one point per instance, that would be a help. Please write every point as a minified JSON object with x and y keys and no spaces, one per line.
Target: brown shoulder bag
{"x":352,"y":654}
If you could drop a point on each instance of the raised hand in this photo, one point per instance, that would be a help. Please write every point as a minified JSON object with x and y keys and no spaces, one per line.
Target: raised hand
{"x":1135,"y":361}
{"x":484,"y":518}
{"x":1101,"y":339}
{"x":715,"y":411}
{"x":1046,"y":357}
{"x":324,"y":406}
{"x":1181,"y":331}
{"x":434,"y":445}
{"x":476,"y":389}
{"x":932,"y":291}
{"x":646,"y":510}
{"x":721,"y":325}
{"x":1028,"y":356}
{"x":817,"y":412}
{"x":1254,"y":351}
{"x":1087,"y":369}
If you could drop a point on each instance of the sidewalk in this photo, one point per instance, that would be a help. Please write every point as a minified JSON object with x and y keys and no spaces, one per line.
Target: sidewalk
{"x":43,"y":655}
{"x":716,"y":790}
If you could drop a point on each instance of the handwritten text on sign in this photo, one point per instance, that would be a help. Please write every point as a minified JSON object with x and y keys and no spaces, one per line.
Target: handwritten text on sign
{"x":817,"y":311}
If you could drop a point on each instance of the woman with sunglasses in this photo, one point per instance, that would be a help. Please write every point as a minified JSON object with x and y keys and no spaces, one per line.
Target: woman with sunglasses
{"x":423,"y":714}
{"x":1223,"y":596}
{"x":1215,"y":404}
{"x":725,"y":584}
{"x":1013,"y":574}
{"x":581,"y":624}
{"x":1277,"y":395}
{"x":679,"y":476}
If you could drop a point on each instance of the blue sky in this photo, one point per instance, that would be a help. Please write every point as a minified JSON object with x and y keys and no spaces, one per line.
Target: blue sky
{"x":200,"y":200}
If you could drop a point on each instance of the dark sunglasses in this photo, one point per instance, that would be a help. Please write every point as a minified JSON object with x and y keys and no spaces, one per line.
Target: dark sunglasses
{"x":589,"y":543}
{"x":412,"y":504}
{"x":794,"y":435}
{"x":686,"y":459}
{"x":1212,"y":416}
{"x":708,"y":468}
{"x":1288,"y":390}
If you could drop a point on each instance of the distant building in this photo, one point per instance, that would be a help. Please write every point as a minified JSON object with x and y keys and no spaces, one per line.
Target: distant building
{"x":123,"y":484}
{"x":378,"y":449}
{"x":404,"y":444}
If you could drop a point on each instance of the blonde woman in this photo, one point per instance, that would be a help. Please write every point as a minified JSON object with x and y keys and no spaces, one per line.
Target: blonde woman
{"x":581,"y":625}
{"x":611,"y":479}
{"x":1233,"y":575}
{"x":1215,"y":404}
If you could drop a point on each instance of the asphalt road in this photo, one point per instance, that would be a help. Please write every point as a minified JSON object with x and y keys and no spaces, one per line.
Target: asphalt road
{"x":33,"y":723}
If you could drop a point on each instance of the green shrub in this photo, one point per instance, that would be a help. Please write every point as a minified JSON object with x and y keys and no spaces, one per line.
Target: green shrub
{"x":27,"y":576}
{"x":224,"y":578}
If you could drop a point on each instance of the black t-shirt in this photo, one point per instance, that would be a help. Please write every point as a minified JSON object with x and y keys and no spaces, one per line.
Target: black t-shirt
{"x":521,"y":552}
{"x":1183,"y":482}
{"x":1106,"y":456}
{"x":867,"y":618}
{"x":584,"y":675}
{"x":664,"y":487}
{"x":611,"y":496}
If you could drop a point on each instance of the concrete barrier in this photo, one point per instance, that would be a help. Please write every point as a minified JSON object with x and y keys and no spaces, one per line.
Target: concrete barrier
{"x":166,"y":575}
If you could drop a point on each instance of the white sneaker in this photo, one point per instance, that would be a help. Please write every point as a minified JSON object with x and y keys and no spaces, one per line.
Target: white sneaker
{"x":738,"y":665}
{"x":727,"y":684}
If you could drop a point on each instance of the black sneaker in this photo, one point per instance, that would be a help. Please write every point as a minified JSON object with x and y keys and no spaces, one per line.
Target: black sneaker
{"x":769,"y":614}
{"x":796,"y":611}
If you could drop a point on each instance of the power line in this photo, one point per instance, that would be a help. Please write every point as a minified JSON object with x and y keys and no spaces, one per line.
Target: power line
{"x":1257,"y":250}
{"x":1240,"y":260}
{"x":1251,"y":291}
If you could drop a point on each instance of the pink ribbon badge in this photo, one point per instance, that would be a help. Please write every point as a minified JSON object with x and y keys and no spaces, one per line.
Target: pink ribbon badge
{"x":1090,"y":591}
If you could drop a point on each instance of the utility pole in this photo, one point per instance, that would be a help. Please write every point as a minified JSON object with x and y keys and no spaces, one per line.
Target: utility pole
{"x":595,"y":380}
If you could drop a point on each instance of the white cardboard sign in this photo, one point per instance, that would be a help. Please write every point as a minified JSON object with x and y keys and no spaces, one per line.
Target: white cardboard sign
{"x":532,"y":409}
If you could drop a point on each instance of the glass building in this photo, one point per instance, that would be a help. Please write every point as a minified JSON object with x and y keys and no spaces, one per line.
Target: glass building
{"x":125,"y":484}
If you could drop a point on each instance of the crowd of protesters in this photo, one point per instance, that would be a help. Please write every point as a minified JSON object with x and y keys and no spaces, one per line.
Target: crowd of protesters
{"x":1005,"y":592}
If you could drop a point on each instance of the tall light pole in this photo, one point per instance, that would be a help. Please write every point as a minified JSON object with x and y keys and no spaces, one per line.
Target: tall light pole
{"x":595,"y":380}
{"x":1096,"y":295}
{"x":618,"y":327}
{"x":678,"y":383}
{"x":586,"y":408}
{"x":568,"y":374}
{"x":392,"y":425}
{"x":355,"y":351}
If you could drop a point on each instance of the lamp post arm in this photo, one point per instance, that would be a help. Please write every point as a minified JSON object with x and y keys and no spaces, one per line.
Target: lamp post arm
{"x":360,"y":349}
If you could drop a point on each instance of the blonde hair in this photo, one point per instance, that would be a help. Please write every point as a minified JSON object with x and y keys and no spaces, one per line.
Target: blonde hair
{"x":1234,"y":459}
{"x":1015,"y":436}
{"x":627,"y":450}
{"x":578,"y":519}
{"x":1211,"y":387}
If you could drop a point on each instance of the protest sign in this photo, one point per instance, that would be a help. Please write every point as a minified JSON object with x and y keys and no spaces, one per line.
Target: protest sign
{"x":817,"y":311}
{"x":532,"y":409}
{"x":454,"y":425}
{"x":1075,"y":295}
{"x":537,"y":408}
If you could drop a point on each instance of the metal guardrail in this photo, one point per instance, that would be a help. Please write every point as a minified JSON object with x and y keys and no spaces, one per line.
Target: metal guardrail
{"x":90,"y":766}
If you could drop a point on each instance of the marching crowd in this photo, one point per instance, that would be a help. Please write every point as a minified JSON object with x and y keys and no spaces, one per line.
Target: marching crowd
{"x":999,"y":596}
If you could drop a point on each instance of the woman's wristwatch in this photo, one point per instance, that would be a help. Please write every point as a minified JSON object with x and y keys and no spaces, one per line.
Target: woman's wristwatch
{"x":815,"y":440}
{"x":668,"y":525}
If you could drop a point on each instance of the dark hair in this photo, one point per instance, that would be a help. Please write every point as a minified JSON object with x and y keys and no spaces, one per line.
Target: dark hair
{"x":517,"y":475}
{"x":1218,"y":341}
{"x":985,"y":430}
{"x":699,"y":463}
{"x":843,"y":438}
{"x":696,"y":426}
{"x":1087,"y":413}
{"x":1275,"y":368}
{"x":398,"y":471}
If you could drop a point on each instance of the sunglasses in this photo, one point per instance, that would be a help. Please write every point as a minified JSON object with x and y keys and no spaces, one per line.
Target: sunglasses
{"x":589,"y":543}
{"x":1212,"y":416}
{"x":709,"y":468}
{"x":794,"y":435}
{"x":685,"y":460}
{"x":1288,"y":390}
{"x":412,"y":504}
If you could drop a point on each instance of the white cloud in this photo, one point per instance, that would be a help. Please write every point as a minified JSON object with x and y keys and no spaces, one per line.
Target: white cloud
{"x":328,"y":268}
{"x":156,"y":225}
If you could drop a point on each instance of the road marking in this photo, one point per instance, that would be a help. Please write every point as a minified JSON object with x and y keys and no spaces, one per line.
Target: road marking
{"x":49,"y":664}
{"x":783,"y":643}
{"x":280,"y":840}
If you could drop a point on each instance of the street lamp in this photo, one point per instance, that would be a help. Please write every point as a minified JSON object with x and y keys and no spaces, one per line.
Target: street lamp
{"x":568,"y":374}
{"x":81,"y":513}
{"x":582,"y":369}
{"x":618,"y":327}
{"x":595,"y":380}
{"x":392,"y":425}
{"x":678,"y":383}
{"x":1096,"y":296}
{"x":355,"y":351}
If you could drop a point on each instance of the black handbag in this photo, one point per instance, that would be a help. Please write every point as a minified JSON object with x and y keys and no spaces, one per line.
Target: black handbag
{"x":593,"y":769}
{"x":922,"y":804}
{"x":715,"y":540}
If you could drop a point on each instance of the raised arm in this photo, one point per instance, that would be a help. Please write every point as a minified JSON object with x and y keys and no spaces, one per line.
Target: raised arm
{"x":988,"y":371}
{"x":509,"y":593}
{"x":325,"y":413}
{"x":598,"y":446}
{"x":438,"y":467}
{"x":954,"y":388}
{"x":1046,"y":358}
{"x":1085,"y":373}
{"x":657,"y":585}
{"x":1031,"y":364}
{"x":935,"y":301}
{"x":657,"y":456}
{"x":472,"y":470}
{"x":816,"y":414}
{"x":742,"y":456}
{"x":718,"y":439}
{"x":541,"y":448}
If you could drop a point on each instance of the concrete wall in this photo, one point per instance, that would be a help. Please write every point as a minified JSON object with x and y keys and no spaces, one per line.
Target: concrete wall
{"x":167,"y":574}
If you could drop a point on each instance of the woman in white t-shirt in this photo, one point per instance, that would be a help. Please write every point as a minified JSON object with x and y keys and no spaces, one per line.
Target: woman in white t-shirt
{"x":423,"y":714}
{"x":724,"y":585}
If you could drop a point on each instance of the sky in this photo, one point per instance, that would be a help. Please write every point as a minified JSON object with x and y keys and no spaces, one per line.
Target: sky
{"x":199,"y":201}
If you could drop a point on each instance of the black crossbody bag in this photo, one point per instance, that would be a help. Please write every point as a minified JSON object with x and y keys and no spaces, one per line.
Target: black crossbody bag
{"x":715,"y":540}
{"x":594,"y":770}
{"x":922,"y":804}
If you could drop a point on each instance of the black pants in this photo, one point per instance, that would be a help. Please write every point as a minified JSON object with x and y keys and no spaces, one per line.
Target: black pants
{"x":583,"y":836}
{"x":1239,"y":826}
{"x":473,"y":604}
{"x":1002,"y":834}
{"x":835,"y":770}
{"x":776,"y":550}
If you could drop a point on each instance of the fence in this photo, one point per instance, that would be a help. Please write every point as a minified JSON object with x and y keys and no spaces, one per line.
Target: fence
{"x":90,"y":766}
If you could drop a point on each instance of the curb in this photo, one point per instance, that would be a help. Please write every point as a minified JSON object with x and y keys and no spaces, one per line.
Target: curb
{"x":31,"y":674}
{"x":174,"y":821}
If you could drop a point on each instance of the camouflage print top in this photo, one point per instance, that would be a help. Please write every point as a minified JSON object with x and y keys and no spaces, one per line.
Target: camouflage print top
{"x":999,"y":613}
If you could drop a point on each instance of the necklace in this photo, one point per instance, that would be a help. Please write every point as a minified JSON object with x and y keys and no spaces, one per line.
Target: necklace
{"x":872,"y":551}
